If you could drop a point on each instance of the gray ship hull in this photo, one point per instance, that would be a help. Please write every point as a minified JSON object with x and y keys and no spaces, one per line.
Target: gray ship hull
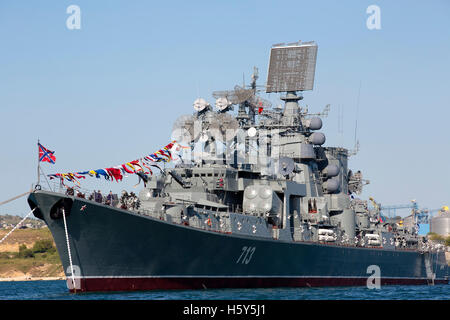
{"x":116,"y":250}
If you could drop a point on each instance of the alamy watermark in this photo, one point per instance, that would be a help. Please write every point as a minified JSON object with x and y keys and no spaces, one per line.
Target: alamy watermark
{"x":232,"y":147}
{"x":73,"y":280}
{"x":73,"y":22}
{"x":374,"y":281}
{"x":373,"y":22}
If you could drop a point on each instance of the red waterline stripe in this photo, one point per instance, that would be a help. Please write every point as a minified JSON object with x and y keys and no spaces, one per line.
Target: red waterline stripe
{"x":136,"y":284}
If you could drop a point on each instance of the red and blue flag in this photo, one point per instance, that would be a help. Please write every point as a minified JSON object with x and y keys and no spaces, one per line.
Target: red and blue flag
{"x":46,"y":155}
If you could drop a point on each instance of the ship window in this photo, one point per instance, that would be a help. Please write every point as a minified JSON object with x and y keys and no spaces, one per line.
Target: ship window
{"x":209,"y":174}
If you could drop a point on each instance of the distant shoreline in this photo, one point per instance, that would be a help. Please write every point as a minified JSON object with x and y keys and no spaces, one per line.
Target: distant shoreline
{"x":27,"y":278}
{"x":29,"y":255}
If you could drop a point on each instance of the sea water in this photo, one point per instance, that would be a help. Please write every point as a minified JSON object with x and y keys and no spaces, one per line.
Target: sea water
{"x":57,"y":290}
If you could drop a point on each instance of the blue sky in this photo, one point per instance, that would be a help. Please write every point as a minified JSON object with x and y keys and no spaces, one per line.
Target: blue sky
{"x":109,"y":92}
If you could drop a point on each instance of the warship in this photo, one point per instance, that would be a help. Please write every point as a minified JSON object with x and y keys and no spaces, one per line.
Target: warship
{"x":255,"y":200}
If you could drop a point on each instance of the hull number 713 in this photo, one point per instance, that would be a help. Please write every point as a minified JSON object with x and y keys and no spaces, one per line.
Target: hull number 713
{"x":246,"y":255}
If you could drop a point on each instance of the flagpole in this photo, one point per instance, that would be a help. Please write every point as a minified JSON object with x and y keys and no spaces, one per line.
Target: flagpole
{"x":38,"y":168}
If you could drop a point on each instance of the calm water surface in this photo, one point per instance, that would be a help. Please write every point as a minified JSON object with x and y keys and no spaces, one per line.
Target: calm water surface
{"x":57,"y":290}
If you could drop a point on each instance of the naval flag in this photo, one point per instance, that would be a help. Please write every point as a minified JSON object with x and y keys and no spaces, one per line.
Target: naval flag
{"x":46,"y":155}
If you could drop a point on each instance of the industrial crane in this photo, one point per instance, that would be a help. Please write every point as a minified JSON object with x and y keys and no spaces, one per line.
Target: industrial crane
{"x":413,"y":206}
{"x":425,"y":214}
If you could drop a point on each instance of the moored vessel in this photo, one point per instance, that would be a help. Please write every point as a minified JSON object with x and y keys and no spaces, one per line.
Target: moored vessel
{"x":254,"y":200}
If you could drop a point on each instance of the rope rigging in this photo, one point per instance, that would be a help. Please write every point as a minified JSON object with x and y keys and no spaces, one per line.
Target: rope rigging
{"x":17,"y":225}
{"x":68,"y":250}
{"x":21,"y":221}
{"x":14,"y":198}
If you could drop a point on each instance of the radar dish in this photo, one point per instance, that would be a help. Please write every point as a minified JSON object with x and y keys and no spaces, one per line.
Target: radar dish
{"x":292,"y":67}
{"x":222,"y":103}
{"x":236,"y":96}
{"x":186,"y":128}
{"x":258,"y":102}
{"x":243,"y":94}
{"x":200,"y":104}
{"x":223,"y":127}
{"x":286,"y":166}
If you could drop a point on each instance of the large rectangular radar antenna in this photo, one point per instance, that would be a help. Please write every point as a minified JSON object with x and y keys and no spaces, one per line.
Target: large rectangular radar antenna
{"x":292,"y":67}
